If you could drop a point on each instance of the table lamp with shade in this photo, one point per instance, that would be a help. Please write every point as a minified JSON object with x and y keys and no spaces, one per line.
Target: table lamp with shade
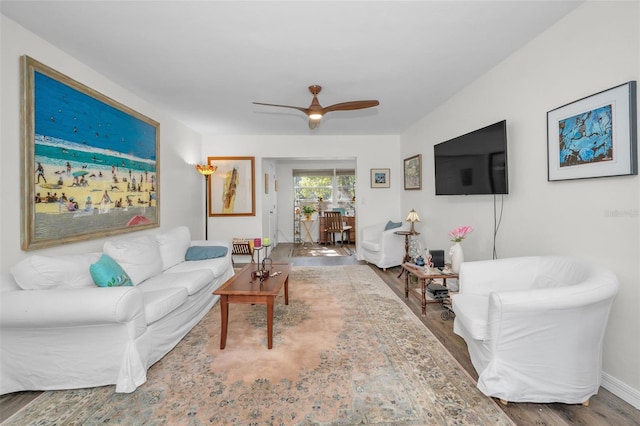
{"x":413,"y":218}
{"x":206,"y":170}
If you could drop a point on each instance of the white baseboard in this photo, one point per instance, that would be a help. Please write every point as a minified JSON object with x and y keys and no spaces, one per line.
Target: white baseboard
{"x":621,"y":390}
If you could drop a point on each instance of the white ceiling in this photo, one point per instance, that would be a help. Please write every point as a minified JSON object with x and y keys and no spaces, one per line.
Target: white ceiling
{"x":205,"y":62}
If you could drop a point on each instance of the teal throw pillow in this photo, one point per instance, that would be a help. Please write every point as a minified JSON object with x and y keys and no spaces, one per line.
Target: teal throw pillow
{"x":107,"y":273}
{"x":392,"y":225}
{"x":205,"y":252}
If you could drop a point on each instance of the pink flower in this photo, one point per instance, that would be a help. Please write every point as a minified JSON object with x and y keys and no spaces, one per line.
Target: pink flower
{"x":459,"y":233}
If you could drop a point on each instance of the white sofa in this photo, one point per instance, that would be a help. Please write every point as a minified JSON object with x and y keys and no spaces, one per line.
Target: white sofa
{"x":382,"y":247}
{"x":534,"y":326}
{"x":60,"y":331}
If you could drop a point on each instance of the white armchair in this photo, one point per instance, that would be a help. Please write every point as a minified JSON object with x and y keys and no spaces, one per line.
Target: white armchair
{"x":534,"y":326}
{"x":383,"y":248}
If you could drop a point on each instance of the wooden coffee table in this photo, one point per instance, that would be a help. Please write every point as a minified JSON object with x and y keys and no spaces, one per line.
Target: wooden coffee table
{"x":241,"y":288}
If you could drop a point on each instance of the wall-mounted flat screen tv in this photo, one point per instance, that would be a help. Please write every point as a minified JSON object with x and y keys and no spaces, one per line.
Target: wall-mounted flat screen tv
{"x":475,"y":163}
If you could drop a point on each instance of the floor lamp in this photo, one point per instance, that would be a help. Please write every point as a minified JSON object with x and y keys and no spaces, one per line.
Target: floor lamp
{"x":206,"y":170}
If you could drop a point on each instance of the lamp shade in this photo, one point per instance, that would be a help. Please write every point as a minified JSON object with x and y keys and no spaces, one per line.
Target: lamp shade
{"x":413,"y":216}
{"x":206,"y":169}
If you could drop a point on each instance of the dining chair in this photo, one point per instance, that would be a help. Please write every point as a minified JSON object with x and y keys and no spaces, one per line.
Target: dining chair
{"x":333,"y":225}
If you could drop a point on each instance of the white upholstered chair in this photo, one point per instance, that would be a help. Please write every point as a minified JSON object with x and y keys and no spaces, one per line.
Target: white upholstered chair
{"x":382,"y":247}
{"x":534,"y":326}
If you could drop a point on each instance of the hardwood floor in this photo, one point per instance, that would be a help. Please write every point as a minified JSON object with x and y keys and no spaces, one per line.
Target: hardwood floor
{"x":604,"y":408}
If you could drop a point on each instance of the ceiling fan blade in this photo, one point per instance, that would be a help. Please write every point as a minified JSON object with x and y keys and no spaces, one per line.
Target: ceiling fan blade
{"x":347,"y":106}
{"x":313,"y":124}
{"x":305,"y":110}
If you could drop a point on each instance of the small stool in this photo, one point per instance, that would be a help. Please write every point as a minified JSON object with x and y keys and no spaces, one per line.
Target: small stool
{"x":242,"y":247}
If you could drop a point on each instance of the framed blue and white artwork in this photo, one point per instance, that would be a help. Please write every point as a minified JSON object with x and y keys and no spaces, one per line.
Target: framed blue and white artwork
{"x":90,"y":165}
{"x":595,"y":136}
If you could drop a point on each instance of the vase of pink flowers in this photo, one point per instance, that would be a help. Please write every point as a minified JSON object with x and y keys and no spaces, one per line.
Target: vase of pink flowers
{"x":455,"y":252}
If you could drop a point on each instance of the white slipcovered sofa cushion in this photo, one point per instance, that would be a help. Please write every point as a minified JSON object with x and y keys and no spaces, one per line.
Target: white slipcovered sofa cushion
{"x":139,"y":256}
{"x":191,"y":281}
{"x":159,"y":303}
{"x":173,"y":245}
{"x":473,"y":312}
{"x":38,"y":272}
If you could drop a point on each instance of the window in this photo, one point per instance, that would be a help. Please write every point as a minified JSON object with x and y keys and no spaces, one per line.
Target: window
{"x":335,"y":186}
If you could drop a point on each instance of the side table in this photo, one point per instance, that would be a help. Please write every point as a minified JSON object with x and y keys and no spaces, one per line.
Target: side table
{"x":425,"y":276}
{"x":307,"y":224}
{"x":406,"y":234}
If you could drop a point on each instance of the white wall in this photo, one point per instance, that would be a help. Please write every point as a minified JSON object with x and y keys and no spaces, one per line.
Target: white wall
{"x":181,"y":187}
{"x":372,"y":205}
{"x":594,"y":48}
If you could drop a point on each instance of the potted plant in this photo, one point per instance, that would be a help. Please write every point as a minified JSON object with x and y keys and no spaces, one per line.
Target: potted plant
{"x":308,"y":210}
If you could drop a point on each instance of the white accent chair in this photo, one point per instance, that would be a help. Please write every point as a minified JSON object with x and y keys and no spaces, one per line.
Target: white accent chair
{"x":534,"y":326}
{"x":383,"y":248}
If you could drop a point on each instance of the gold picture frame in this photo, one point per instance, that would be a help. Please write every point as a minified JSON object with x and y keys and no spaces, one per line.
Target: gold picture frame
{"x":232,"y":186}
{"x":90,"y":166}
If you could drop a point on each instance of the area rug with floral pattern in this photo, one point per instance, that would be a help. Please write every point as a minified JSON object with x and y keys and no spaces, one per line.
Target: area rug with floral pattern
{"x":313,"y":250}
{"x":346,"y":351}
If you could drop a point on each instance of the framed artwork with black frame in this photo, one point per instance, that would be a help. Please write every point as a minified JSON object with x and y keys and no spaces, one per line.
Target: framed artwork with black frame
{"x":595,"y":136}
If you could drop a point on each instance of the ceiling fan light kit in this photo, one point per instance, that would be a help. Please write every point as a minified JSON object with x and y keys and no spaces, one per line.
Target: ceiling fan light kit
{"x":315,"y":111}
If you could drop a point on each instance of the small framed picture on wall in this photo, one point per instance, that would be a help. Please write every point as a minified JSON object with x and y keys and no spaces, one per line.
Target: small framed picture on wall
{"x":380,"y":178}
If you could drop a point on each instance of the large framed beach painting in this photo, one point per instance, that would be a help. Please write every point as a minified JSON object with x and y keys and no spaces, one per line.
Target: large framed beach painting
{"x":232,"y":186}
{"x":595,"y":136}
{"x":90,"y":165}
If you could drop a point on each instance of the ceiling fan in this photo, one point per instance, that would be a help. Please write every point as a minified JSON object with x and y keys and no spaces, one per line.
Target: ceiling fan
{"x":315,"y":111}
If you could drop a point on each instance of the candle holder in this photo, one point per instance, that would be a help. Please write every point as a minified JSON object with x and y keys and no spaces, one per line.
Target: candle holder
{"x":262,"y":272}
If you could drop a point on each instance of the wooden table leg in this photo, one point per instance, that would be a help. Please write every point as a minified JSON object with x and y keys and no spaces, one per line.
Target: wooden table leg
{"x":406,"y":283}
{"x":270,"y":323}
{"x":423,"y":284}
{"x":286,"y":291}
{"x":224,"y":313}
{"x":406,"y":249}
